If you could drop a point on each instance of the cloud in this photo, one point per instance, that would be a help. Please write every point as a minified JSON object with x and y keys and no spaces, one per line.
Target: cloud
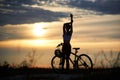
{"x":20,"y":12}
{"x":17,"y":2}
{"x":13,"y":32}
{"x":25,"y":31}
{"x":102,"y":28}
{"x":103,"y":6}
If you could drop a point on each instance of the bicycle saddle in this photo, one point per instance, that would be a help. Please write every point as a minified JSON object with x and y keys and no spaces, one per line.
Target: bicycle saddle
{"x":76,"y":48}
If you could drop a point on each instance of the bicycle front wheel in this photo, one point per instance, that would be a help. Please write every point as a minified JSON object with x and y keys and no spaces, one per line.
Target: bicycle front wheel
{"x":55,"y":63}
{"x":84,"y":62}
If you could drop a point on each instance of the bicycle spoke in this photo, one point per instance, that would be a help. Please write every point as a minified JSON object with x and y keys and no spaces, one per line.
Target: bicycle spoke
{"x":84,"y":62}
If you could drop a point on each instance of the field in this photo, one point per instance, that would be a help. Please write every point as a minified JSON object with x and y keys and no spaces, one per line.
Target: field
{"x":49,"y":74}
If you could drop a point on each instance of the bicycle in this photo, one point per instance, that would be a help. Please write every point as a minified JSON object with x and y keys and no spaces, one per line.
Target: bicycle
{"x":80,"y":62}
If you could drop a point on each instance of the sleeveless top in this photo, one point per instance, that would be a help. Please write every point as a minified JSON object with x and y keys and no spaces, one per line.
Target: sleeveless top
{"x":66,"y":37}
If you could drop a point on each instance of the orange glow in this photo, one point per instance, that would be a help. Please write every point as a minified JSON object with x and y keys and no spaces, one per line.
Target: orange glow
{"x":38,"y":29}
{"x":29,"y":43}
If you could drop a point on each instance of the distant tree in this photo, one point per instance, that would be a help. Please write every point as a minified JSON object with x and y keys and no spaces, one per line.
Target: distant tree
{"x":112,"y":59}
{"x":6,"y":64}
{"x":117,"y":61}
{"x":29,"y":60}
{"x":105,"y":60}
{"x":31,"y":57}
{"x":24,"y":64}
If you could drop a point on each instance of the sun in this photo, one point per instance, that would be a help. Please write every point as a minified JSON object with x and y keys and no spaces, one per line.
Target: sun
{"x":38,"y":29}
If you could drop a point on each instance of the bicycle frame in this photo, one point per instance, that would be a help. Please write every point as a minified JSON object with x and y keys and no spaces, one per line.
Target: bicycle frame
{"x":74,"y":61}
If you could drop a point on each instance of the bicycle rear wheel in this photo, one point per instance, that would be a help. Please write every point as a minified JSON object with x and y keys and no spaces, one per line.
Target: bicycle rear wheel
{"x":84,"y":62}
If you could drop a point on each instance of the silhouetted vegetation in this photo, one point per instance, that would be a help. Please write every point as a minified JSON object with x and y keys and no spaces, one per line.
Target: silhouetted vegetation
{"x":107,"y":60}
{"x":26,"y":71}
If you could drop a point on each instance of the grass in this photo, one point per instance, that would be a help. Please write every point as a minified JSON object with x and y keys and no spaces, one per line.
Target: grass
{"x":49,"y":74}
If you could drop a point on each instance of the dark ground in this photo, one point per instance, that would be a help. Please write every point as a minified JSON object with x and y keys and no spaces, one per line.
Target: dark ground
{"x":48,"y":74}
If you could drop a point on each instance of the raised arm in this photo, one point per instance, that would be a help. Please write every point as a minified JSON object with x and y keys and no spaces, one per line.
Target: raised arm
{"x":68,"y":27}
{"x":64,"y":29}
{"x":71,"y":16}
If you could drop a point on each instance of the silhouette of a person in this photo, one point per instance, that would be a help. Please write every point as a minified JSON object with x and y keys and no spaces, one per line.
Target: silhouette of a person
{"x":66,"y":49}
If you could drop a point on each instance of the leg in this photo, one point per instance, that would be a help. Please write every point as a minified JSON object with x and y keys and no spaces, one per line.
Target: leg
{"x":68,"y":55}
{"x":63,"y":61}
{"x":63,"y":56}
{"x":67,"y":62}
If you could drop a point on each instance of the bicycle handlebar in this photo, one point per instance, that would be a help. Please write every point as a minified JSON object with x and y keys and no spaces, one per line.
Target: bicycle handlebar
{"x":59,"y":45}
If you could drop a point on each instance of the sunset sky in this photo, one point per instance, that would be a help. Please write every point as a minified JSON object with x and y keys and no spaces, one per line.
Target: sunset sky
{"x":36,"y":25}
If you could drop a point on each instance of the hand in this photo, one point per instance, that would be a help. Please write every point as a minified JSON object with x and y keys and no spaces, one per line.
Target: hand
{"x":71,"y":18}
{"x":71,"y":15}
